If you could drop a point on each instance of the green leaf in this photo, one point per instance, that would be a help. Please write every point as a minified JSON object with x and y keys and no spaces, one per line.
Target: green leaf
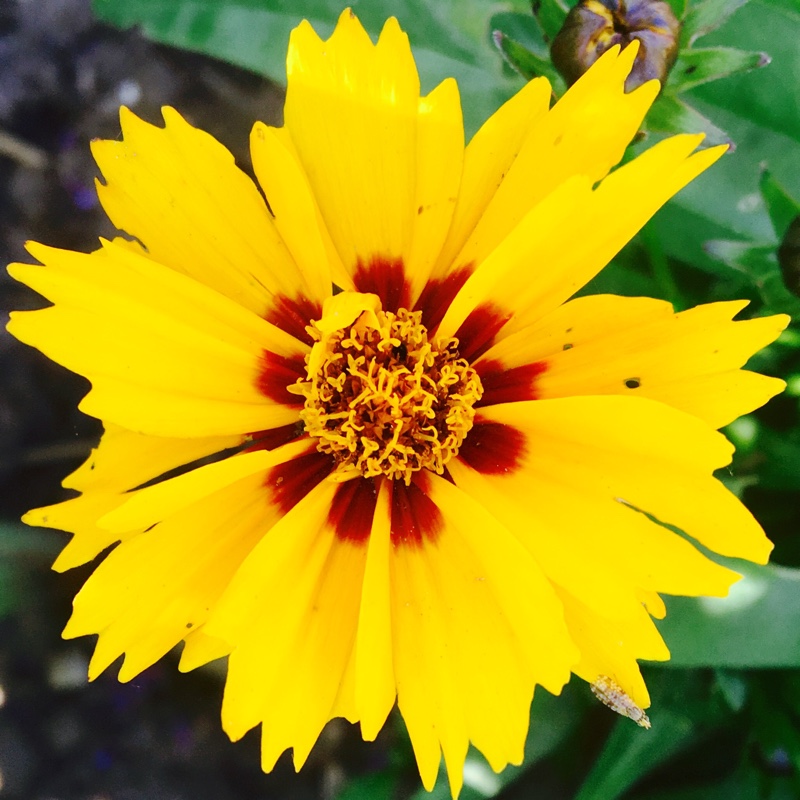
{"x":759,"y":264}
{"x":254,"y":33}
{"x":369,"y":787}
{"x":526,"y":63}
{"x":702,"y":65}
{"x":782,"y":208}
{"x":759,"y":110}
{"x":670,"y":115}
{"x":744,"y":784}
{"x":756,"y":626}
{"x":706,"y":16}
{"x":631,"y":752}
{"x":550,"y":14}
{"x":448,"y":40}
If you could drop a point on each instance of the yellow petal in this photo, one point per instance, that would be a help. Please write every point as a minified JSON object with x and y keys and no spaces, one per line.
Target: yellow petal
{"x":137,"y":349}
{"x":293,"y":206}
{"x":585,"y":133}
{"x":640,"y":453}
{"x":611,"y":648}
{"x":179,"y":192}
{"x":151,"y":505}
{"x":532,"y":271}
{"x":488,"y":158}
{"x":158,"y":586}
{"x":620,"y":345}
{"x":476,"y":626}
{"x":439,"y":162}
{"x":621,"y":551}
{"x":199,"y":648}
{"x":124,"y":459}
{"x":374,"y":670}
{"x":351,"y":111}
{"x":291,"y":614}
{"x":79,"y":516}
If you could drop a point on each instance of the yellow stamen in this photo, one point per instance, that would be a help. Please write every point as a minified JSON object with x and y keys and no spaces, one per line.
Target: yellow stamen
{"x":383,"y":400}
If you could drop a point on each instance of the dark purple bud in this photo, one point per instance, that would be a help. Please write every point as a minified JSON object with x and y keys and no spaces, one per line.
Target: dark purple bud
{"x":593,"y":26}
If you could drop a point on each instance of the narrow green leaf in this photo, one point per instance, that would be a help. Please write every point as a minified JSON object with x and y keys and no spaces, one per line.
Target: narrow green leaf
{"x":756,"y":626}
{"x":706,"y":16}
{"x":550,"y":14}
{"x":781,"y":207}
{"x":702,"y":65}
{"x":670,"y":115}
{"x":631,"y":752}
{"x":526,"y":63}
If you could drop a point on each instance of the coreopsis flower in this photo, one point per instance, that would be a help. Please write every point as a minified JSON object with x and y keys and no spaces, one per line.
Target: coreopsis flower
{"x":357,"y":436}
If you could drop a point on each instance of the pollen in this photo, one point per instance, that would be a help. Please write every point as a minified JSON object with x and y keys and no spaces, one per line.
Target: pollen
{"x":385,"y":400}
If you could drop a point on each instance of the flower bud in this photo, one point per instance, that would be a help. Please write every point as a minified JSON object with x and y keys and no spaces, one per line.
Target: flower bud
{"x":593,"y":26}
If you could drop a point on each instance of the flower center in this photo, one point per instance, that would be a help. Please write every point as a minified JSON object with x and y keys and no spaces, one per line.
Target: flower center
{"x":384,"y":400}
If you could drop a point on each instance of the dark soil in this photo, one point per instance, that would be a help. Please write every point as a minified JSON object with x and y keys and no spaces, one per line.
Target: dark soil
{"x":63,"y":77}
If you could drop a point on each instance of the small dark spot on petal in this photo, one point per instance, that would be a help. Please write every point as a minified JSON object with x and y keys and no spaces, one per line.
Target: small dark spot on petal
{"x":420,"y":210}
{"x":633,"y":383}
{"x":567,"y":346}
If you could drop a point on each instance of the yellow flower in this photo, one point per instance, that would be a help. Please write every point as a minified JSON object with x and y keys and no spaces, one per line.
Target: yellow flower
{"x":426,"y":487}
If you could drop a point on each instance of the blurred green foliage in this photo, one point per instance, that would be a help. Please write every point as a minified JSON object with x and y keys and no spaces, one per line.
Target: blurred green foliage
{"x":726,"y":709}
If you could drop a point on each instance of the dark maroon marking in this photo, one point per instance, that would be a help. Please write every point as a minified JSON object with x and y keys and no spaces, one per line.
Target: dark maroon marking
{"x":477,"y":331}
{"x":292,"y":481}
{"x":385,"y":277}
{"x":353,"y":509}
{"x":292,"y":315}
{"x":501,"y":385}
{"x":275,"y":437}
{"x":276,"y":373}
{"x":438,"y":294}
{"x":493,"y":448}
{"x":415,"y":518}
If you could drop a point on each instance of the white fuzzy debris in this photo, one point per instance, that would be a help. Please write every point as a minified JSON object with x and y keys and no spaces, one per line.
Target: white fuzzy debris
{"x":611,"y":694}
